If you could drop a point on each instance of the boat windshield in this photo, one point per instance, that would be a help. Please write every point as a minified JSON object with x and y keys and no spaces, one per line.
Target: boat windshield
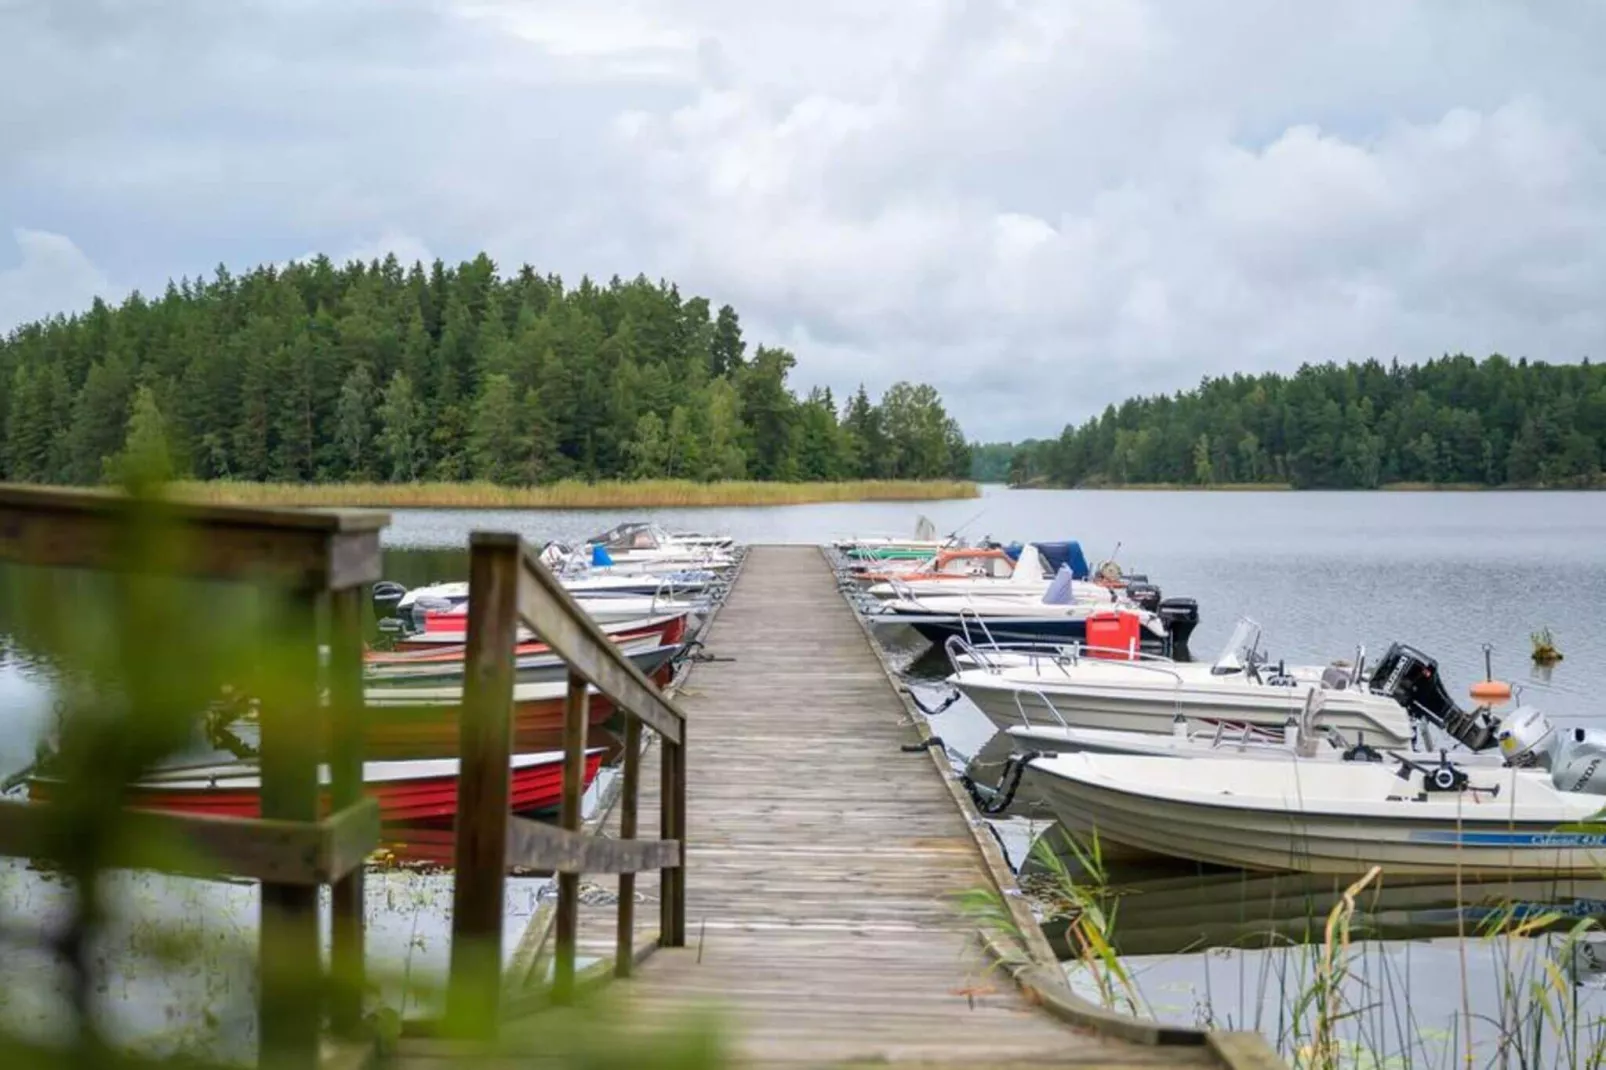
{"x":1243,"y":648}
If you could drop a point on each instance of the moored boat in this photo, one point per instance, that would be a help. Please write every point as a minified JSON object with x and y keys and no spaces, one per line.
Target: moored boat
{"x":421,"y":790}
{"x":1339,"y":818}
{"x":1116,"y":690}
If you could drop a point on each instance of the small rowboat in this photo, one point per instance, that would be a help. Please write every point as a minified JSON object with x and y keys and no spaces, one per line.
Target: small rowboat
{"x":663,"y":630}
{"x":423,"y":790}
{"x":622,"y":615}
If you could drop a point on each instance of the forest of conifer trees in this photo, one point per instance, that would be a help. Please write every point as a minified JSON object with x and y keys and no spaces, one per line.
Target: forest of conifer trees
{"x":376,"y":372}
{"x":1449,"y":421}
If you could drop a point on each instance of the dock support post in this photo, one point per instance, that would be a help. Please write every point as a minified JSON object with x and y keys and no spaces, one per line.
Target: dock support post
{"x":474,"y":992}
{"x":576,"y":708}
{"x":625,"y":925}
{"x":346,"y":733}
{"x":672,"y":826}
{"x":289,"y":1008}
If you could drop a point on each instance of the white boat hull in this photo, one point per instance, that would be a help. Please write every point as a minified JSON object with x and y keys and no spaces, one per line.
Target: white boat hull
{"x":1042,"y":701}
{"x":1306,"y":831}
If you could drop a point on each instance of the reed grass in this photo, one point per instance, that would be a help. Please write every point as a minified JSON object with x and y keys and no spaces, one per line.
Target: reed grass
{"x":567,"y":494}
{"x":1344,"y":999}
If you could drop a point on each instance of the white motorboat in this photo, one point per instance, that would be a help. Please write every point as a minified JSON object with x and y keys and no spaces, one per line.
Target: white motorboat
{"x":1327,"y":817}
{"x":641,"y":543}
{"x":984,"y":571}
{"x":1119,"y":691}
{"x":451,"y":628}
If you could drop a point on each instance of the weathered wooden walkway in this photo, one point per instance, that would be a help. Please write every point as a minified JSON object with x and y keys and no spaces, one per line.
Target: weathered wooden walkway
{"x":823,"y":861}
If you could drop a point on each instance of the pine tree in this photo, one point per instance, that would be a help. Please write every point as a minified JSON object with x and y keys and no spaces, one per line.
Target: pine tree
{"x":145,"y":460}
{"x":354,"y":429}
{"x":400,"y":430}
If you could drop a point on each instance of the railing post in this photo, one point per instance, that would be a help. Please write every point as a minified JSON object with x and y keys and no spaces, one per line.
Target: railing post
{"x":576,"y":710}
{"x":672,"y":826}
{"x":625,"y":924}
{"x":288,"y":1008}
{"x":346,"y":731}
{"x":474,"y":992}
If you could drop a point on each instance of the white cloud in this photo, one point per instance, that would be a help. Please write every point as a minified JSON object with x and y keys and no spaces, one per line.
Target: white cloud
{"x":1039,"y":207}
{"x":53,"y":275}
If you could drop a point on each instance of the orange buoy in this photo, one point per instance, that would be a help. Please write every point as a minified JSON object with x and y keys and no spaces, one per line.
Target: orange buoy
{"x":1491,"y":691}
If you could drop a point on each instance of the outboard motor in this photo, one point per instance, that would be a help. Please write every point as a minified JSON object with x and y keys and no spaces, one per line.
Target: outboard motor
{"x":1181,"y":617}
{"x":1144,"y":596}
{"x":1411,"y":678}
{"x":1576,"y":757}
{"x":387,"y":594}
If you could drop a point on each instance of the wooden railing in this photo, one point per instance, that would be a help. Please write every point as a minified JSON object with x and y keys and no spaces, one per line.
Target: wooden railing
{"x":507,"y":586}
{"x":311,"y":557}
{"x":329,"y":556}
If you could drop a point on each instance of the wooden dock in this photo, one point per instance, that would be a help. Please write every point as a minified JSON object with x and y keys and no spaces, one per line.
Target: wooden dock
{"x":823,"y":861}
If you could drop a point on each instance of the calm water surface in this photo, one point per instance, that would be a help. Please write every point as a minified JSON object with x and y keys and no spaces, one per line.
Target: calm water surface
{"x":1323,"y":573}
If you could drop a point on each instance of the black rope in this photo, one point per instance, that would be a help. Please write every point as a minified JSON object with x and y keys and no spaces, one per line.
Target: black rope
{"x":927,"y":710}
{"x":1003,"y":849}
{"x":992,"y":801}
{"x":926,"y":744}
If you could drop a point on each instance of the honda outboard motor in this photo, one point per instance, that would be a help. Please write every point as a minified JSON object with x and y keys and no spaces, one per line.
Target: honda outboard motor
{"x":1411,"y":678}
{"x":1576,"y":757}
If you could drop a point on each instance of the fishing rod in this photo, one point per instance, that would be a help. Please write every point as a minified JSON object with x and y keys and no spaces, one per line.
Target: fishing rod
{"x":979,"y":514}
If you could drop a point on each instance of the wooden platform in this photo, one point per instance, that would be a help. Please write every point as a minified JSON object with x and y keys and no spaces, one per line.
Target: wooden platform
{"x":823,"y":860}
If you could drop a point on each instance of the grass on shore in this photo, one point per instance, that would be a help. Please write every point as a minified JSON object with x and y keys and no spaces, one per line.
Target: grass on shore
{"x":568,"y":494}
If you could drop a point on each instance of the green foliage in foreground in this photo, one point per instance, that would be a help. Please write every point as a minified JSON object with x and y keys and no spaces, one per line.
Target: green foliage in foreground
{"x":1449,"y":421}
{"x":380,"y":373}
{"x":141,"y":970}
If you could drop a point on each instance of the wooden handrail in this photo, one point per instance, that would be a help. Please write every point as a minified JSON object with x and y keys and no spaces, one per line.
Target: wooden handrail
{"x":508,"y":585}
{"x":318,"y":550}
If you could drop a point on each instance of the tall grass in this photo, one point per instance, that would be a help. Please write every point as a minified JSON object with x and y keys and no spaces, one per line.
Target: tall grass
{"x":1341,"y":998}
{"x":568,"y":494}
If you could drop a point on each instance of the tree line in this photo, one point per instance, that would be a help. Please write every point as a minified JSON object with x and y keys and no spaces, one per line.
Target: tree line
{"x":376,"y":372}
{"x":1454,"y":420}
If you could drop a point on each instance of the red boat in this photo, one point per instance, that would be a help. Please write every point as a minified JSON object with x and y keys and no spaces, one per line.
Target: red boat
{"x":423,"y":722}
{"x":407,"y":791}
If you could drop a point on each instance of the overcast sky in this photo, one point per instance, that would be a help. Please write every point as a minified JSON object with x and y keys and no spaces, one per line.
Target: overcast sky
{"x":1038,"y":207}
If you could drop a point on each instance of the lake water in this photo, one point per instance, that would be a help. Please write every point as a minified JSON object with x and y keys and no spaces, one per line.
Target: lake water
{"x":1321,"y":572}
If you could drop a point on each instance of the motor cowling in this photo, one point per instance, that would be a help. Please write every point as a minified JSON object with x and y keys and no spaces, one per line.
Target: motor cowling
{"x":1412,"y":679}
{"x":1580,"y":763}
{"x":1144,"y":595}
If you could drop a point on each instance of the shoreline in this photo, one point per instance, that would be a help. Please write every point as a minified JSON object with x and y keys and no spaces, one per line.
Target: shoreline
{"x":566,"y":494}
{"x":1457,"y":488}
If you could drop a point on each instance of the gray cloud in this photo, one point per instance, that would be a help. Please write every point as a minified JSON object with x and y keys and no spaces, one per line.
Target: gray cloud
{"x":1039,"y":207}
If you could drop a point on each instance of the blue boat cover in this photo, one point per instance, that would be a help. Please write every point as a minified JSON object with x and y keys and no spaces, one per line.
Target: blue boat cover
{"x":1059,"y":588}
{"x":600,"y":556}
{"x":1012,"y":551}
{"x":1065,"y":554}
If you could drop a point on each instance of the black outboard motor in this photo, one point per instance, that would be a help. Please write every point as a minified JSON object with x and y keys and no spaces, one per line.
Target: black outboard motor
{"x":1144,"y":595}
{"x":1412,"y":679}
{"x":386,"y":595}
{"x":1181,"y":617}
